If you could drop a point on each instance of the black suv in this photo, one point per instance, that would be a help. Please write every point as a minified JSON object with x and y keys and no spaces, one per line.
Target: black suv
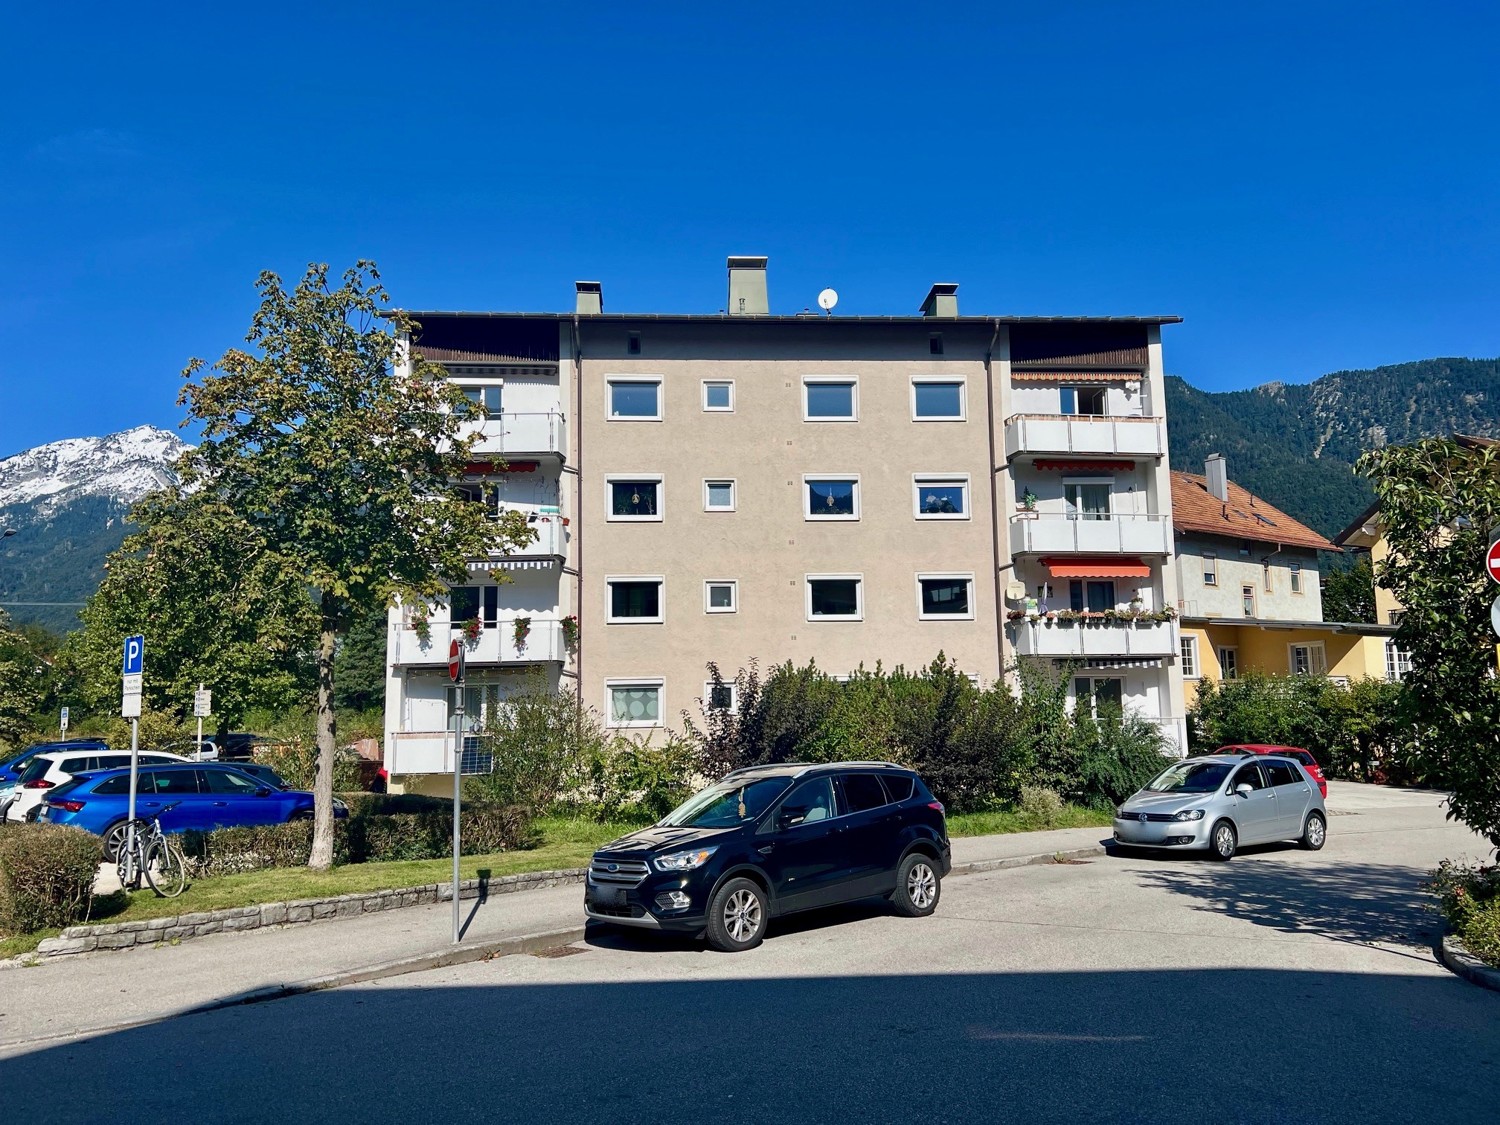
{"x":771,"y":840}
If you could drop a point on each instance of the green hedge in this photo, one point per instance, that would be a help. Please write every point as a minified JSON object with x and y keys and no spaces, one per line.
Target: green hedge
{"x":364,"y":837}
{"x":46,"y":876}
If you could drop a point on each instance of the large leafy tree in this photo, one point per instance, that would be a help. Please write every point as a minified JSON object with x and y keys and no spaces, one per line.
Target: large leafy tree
{"x":1349,"y":592}
{"x":338,"y":449}
{"x":24,"y":677}
{"x":218,"y":607}
{"x":1439,"y":506}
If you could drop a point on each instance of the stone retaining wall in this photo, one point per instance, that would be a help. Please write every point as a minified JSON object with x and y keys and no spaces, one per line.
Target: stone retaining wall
{"x":181,"y":927}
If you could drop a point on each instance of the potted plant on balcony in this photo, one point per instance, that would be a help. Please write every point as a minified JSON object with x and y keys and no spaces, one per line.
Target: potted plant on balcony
{"x":1028,"y":501}
{"x":421,"y":624}
{"x":473,"y":629}
{"x":570,"y":633}
{"x":520,"y":630}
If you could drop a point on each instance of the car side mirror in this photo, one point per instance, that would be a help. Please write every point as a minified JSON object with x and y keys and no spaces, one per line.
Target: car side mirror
{"x":790,"y":818}
{"x":262,"y":792}
{"x":1244,"y":789}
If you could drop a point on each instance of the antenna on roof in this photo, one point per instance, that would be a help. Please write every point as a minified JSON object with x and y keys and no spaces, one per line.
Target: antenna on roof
{"x":827,"y":299}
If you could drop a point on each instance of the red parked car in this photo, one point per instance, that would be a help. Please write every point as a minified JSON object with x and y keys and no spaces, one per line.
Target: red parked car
{"x":1309,"y":763}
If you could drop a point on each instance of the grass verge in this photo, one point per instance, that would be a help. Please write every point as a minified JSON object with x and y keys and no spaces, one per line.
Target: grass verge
{"x":999,"y":821}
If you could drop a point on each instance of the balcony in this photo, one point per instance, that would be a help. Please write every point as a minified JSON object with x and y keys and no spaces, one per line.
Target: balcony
{"x":1075,"y":435}
{"x":1036,"y":534}
{"x":551,"y":542}
{"x":1086,"y":638}
{"x":522,"y":435}
{"x":419,"y":752}
{"x":496,"y":645}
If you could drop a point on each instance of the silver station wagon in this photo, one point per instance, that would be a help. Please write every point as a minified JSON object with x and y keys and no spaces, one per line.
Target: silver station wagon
{"x":1222,"y":802}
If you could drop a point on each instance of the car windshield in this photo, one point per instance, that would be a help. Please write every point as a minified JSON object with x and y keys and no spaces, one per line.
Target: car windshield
{"x":1189,"y":777}
{"x":727,"y":804}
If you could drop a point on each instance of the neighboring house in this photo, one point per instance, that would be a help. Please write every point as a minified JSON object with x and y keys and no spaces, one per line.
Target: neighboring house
{"x":851,"y":490}
{"x":1250,"y":589}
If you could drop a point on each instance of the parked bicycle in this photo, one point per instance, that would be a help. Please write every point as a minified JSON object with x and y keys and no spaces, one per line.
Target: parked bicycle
{"x":150,"y":853}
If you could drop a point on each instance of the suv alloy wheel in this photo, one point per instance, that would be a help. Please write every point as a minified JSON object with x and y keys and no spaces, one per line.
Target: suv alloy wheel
{"x":737,"y":917}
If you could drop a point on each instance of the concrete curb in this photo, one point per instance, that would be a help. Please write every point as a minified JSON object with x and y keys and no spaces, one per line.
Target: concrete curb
{"x":980,"y":866}
{"x":1461,"y":962}
{"x":440,"y":959}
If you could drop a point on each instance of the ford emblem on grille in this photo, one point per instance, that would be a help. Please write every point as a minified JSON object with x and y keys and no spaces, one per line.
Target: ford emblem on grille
{"x":616,"y":866}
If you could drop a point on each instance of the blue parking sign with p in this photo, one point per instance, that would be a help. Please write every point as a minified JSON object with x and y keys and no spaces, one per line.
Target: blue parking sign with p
{"x":135,"y":655}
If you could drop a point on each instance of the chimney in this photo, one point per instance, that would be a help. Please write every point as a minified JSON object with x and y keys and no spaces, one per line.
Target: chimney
{"x":1216,"y":471}
{"x":590,"y":298}
{"x":747,"y":287}
{"x":942,"y":300}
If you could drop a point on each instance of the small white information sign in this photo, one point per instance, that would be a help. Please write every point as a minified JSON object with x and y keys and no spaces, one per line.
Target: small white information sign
{"x":203,"y":703}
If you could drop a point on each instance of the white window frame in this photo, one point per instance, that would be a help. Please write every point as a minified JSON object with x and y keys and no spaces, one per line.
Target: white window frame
{"x":611,"y":479}
{"x":1295,"y":570}
{"x":718,"y":383}
{"x":963,"y":398}
{"x":1397,"y":662}
{"x":609,"y":601}
{"x":611,"y":380}
{"x":733,"y":493}
{"x":1092,"y":677}
{"x":1254,"y":601}
{"x":967,"y":576}
{"x":1211,"y":568}
{"x":919,"y":479}
{"x":1225,"y":672}
{"x":1188,"y":654}
{"x":853,"y":383}
{"x":658,"y":682}
{"x":1075,"y":388}
{"x":859,"y":596}
{"x":1317,"y":658}
{"x":734,"y":696}
{"x":808,"y":478}
{"x":1108,"y":482}
{"x":482,"y":382}
{"x":734,"y":595}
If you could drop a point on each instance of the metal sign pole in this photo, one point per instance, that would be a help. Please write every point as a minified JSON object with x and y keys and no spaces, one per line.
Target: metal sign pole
{"x":199,"y":755}
{"x":458,"y":758}
{"x":135,"y":765}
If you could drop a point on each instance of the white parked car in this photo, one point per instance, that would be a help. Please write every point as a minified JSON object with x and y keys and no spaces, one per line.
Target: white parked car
{"x":48,"y":771}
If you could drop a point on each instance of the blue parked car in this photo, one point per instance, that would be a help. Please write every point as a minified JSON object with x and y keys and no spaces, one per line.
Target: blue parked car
{"x":204,"y":796}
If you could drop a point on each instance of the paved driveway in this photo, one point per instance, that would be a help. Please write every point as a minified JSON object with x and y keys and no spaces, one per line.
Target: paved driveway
{"x":1284,"y":986}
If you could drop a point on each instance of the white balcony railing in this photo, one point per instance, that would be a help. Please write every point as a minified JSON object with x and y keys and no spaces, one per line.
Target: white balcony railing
{"x":419,"y":752}
{"x":551,"y":540}
{"x":496,"y":644}
{"x":1070,"y":434}
{"x":520,"y":435}
{"x":1094,"y":638}
{"x":1037,"y":534}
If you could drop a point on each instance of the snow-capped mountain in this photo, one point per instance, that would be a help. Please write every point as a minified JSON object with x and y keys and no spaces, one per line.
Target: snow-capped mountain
{"x":123,"y":467}
{"x":65,"y":502}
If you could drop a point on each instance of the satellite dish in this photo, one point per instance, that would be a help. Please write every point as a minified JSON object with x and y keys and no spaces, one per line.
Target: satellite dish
{"x":827,"y":299}
{"x":1015,"y":591}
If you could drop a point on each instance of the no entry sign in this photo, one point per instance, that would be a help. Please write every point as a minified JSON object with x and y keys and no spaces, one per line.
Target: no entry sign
{"x":456,"y":658}
{"x":1492,"y":561}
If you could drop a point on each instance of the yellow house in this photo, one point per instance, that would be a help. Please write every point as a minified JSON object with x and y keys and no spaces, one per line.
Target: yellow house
{"x":1249,"y":590}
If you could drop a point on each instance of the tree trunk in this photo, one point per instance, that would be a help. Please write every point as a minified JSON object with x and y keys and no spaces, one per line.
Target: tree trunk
{"x":321,"y":858}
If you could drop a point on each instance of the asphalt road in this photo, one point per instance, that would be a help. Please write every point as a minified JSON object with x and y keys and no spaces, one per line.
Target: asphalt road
{"x":1284,"y":986}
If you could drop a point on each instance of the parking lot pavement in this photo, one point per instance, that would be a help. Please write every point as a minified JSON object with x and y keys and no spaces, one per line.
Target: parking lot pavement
{"x":1284,"y":985}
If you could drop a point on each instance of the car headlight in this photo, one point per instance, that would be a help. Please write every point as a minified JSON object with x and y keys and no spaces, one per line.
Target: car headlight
{"x":684,"y":861}
{"x":1189,"y":814}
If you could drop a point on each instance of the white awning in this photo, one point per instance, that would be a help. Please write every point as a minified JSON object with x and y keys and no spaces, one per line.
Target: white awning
{"x":514,"y":564}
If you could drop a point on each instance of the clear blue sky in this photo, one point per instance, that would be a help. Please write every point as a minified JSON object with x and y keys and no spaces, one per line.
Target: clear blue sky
{"x":1313,"y":186}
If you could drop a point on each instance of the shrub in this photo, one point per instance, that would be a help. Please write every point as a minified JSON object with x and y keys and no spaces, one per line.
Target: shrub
{"x":542,"y":743}
{"x":46,"y":876}
{"x":1469,"y":898}
{"x":1117,"y":755}
{"x":296,"y":761}
{"x":634,"y":780}
{"x":1040,"y":806}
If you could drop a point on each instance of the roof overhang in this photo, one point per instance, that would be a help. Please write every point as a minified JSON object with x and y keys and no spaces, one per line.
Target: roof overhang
{"x":1345,"y":628}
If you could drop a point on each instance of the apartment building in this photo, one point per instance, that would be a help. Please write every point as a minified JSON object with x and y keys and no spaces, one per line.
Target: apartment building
{"x":1252,"y":592}
{"x":743,"y":486}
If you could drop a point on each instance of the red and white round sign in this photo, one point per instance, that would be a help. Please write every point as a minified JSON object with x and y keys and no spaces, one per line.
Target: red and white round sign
{"x":456,"y":658}
{"x":1492,"y":561}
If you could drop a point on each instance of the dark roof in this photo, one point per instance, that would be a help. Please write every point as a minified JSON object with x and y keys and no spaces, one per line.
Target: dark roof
{"x":1245,"y":516}
{"x":800,"y":318}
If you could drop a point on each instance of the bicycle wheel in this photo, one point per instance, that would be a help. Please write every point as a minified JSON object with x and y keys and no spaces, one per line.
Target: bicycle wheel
{"x":165,"y":870}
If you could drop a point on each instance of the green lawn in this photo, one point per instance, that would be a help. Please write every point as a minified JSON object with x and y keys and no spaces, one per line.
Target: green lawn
{"x":564,"y":842}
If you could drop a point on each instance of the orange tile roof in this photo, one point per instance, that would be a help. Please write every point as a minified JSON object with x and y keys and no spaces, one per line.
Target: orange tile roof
{"x":1193,"y":509}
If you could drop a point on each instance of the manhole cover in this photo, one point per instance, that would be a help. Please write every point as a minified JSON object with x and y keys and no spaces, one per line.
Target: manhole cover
{"x":559,"y":951}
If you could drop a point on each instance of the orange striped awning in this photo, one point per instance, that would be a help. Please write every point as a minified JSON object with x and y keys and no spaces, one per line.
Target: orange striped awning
{"x":1115,"y":567}
{"x":1024,"y":375}
{"x":1085,"y":466}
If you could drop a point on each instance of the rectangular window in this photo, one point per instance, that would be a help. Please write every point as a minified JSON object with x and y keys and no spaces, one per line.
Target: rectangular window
{"x":835,"y":597}
{"x":1307,"y":660}
{"x":633,"y":343}
{"x":634,"y":498}
{"x":1296,"y":569}
{"x":831,"y":498}
{"x":1265,"y":576}
{"x":1099,"y":693}
{"x":940,"y":497}
{"x":635,"y":400}
{"x":718,"y":496}
{"x":486,"y":398}
{"x":830,"y":400}
{"x":1090,"y":401}
{"x":633,"y":703}
{"x":937,"y":400}
{"x":636,"y":600}
{"x":1229,"y":663}
{"x":1210,"y":568}
{"x":469,"y":603}
{"x":1094,"y":596}
{"x":1397,"y":662}
{"x":935,"y":344}
{"x":719,"y":697}
{"x":721,"y":595}
{"x":1190,"y":657}
{"x":718,"y":395}
{"x":1087,"y":500}
{"x":945,"y":596}
{"x":1247,"y":600}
